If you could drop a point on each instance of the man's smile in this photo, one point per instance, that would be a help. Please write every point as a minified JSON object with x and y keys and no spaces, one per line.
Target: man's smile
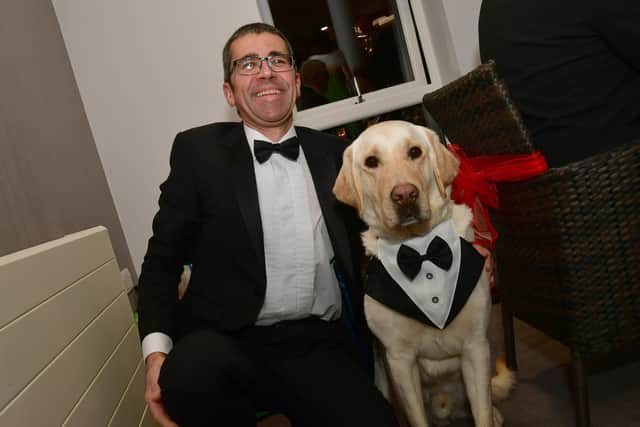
{"x":268,"y":92}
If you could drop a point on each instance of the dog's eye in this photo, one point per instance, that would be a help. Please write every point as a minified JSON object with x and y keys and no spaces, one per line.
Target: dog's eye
{"x":415,"y":152}
{"x":371,"y":162}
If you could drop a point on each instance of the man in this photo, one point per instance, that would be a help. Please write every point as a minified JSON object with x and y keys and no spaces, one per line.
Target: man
{"x":258,"y":327}
{"x":315,"y":84}
{"x":572,"y":68}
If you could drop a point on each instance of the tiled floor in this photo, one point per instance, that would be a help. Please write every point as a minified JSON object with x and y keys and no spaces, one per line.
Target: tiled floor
{"x":542,"y":397}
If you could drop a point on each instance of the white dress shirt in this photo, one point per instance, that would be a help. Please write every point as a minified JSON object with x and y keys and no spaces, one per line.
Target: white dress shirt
{"x":300,"y":278}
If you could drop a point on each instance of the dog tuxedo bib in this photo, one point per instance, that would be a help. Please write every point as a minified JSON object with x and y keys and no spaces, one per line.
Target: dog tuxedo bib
{"x":428,"y":278}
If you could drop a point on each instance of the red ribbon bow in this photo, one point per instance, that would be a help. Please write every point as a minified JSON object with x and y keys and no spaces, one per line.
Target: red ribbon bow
{"x":474,"y":186}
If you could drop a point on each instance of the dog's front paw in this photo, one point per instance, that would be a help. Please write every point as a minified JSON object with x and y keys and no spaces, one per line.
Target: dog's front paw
{"x":498,"y":419}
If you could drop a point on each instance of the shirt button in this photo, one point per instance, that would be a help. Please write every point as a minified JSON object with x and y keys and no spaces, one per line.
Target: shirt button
{"x":429,"y":276}
{"x":435,"y":300}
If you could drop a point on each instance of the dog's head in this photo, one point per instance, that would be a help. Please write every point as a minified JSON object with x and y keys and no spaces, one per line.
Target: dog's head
{"x":396,"y":174}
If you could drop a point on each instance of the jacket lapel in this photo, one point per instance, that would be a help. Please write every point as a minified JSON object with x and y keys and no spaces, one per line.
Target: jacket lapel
{"x":324,"y":170}
{"x":243,"y":178}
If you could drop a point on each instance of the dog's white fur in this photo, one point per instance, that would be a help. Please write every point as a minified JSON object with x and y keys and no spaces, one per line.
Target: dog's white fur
{"x":384,"y":158}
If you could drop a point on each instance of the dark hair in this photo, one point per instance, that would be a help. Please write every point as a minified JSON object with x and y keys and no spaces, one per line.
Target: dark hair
{"x":253,"y":28}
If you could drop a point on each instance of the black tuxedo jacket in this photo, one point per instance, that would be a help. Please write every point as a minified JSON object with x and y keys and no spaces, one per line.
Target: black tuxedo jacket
{"x":209,"y":216}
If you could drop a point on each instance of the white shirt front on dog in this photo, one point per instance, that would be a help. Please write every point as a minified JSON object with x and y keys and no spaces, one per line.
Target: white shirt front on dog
{"x":433,"y":289}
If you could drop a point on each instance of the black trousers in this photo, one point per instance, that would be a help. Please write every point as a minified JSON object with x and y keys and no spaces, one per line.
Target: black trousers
{"x":305,"y":369}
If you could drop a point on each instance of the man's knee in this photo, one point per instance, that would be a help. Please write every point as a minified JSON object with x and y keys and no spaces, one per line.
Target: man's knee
{"x":207,"y":361}
{"x":207,"y":377}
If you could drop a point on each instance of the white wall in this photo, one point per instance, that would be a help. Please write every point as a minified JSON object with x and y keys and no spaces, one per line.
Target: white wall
{"x":462,"y":16}
{"x":147,"y":69}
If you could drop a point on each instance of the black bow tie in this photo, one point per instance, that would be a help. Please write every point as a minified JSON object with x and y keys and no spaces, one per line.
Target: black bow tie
{"x":410,"y":261}
{"x":263,"y":149}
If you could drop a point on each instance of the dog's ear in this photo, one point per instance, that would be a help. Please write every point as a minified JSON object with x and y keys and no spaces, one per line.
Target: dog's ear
{"x":444,"y":164}
{"x":345,"y":187}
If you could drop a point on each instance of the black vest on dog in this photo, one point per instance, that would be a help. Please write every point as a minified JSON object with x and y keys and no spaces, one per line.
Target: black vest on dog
{"x":384,"y":289}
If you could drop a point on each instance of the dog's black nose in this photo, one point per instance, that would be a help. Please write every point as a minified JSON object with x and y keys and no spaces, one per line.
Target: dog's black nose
{"x":403,"y":194}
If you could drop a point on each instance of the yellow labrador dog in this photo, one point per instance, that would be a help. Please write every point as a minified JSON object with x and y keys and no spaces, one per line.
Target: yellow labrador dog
{"x":428,"y":299}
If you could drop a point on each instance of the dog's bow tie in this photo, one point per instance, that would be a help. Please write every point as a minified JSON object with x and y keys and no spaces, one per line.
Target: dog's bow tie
{"x":289,"y":148}
{"x":410,"y":261}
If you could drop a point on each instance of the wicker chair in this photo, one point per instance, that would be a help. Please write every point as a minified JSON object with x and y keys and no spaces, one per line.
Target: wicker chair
{"x":568,"y":252}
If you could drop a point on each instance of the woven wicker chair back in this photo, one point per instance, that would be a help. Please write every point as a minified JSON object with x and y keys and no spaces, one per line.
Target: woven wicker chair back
{"x":568,"y":254}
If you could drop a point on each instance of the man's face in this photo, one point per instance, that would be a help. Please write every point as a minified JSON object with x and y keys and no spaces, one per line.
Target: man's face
{"x":264,"y":100}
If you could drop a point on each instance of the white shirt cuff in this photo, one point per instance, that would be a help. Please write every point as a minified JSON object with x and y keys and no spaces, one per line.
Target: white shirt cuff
{"x":156,"y":342}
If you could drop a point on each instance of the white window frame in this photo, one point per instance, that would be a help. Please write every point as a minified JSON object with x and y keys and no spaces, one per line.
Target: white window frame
{"x":433,"y":39}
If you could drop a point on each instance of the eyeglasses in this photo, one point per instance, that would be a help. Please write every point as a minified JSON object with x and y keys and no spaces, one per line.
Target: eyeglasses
{"x":250,"y":65}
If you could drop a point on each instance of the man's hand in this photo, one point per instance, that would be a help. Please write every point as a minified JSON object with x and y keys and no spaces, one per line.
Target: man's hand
{"x":152,"y":394}
{"x":488,"y":264}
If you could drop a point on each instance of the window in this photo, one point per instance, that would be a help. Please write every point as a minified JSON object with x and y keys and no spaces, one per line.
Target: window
{"x":357,"y":58}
